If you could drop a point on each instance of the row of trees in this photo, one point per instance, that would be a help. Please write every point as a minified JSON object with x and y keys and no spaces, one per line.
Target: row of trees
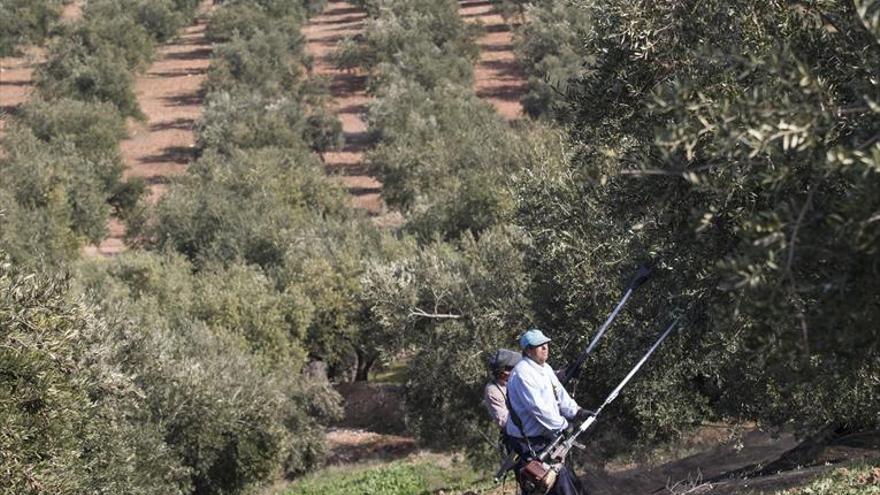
{"x":175,"y":368}
{"x":61,"y":174}
{"x":220,"y":258}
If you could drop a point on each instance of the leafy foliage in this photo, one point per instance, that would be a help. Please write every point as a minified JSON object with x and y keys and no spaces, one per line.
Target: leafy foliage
{"x":247,"y":18}
{"x":424,"y":41}
{"x":218,"y":381}
{"x":73,"y":421}
{"x":246,"y":205}
{"x":162,"y":19}
{"x":450,"y":302}
{"x":249,"y":121}
{"x":548,"y":47}
{"x":445,"y":175}
{"x":54,"y":197}
{"x":74,"y":71}
{"x":747,"y":162}
{"x":109,"y":24}
{"x":269,"y":63}
{"x":95,"y":129}
{"x":26,"y":21}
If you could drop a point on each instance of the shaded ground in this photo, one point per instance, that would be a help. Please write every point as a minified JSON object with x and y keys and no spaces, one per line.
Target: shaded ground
{"x":339,"y":20}
{"x":497,"y":77}
{"x":372,"y":406}
{"x":16,"y":73}
{"x":760,"y":462}
{"x":372,"y":428}
{"x":350,"y":445}
{"x":170,"y":95}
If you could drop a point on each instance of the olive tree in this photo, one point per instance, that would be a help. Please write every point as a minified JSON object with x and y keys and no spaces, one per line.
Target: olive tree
{"x":26,"y":21}
{"x":217,"y":354}
{"x":452,"y":303}
{"x":74,"y":420}
{"x":737,"y":144}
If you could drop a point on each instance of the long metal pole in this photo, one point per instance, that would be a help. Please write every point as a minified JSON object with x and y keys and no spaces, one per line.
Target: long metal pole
{"x":550,"y":451}
{"x":640,"y":277}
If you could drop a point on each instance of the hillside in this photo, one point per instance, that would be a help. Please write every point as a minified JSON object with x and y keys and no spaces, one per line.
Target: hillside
{"x":272,"y":246}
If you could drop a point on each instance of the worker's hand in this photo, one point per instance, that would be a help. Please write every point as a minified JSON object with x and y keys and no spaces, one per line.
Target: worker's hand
{"x":583,"y":414}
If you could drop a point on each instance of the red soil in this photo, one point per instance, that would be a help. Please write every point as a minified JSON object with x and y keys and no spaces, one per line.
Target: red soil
{"x":339,"y":20}
{"x":16,"y":81}
{"x":170,"y":95}
{"x":16,"y":73}
{"x":497,"y":77}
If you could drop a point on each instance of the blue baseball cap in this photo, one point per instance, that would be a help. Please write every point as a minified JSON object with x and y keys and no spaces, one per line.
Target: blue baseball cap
{"x":533,"y":338}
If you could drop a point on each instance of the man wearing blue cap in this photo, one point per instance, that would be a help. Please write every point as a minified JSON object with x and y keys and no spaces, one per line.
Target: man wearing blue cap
{"x":540,"y":407}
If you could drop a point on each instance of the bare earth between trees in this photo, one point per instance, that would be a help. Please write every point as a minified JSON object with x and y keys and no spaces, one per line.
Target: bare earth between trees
{"x":497,"y":79}
{"x":16,"y":73}
{"x":170,"y":95}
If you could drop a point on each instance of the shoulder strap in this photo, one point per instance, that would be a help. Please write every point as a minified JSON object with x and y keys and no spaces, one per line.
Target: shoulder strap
{"x":503,"y":393}
{"x":518,"y":423}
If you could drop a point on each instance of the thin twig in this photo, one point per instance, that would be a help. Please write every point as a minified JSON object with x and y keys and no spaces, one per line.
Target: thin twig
{"x":693,"y":485}
{"x":439,"y":316}
{"x":673,"y":173}
{"x":798,"y":303}
{"x":797,"y":226}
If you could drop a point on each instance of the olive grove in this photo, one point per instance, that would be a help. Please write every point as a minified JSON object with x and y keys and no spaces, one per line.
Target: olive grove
{"x":735,"y":144}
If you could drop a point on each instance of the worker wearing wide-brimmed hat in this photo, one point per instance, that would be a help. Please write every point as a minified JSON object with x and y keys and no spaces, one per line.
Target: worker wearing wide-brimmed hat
{"x":540,"y":407}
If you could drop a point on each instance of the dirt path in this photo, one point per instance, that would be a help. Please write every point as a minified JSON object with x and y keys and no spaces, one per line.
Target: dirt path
{"x":16,"y":82}
{"x":497,"y":77}
{"x":350,"y":445}
{"x":16,"y":73}
{"x":339,"y":20}
{"x":170,"y":95}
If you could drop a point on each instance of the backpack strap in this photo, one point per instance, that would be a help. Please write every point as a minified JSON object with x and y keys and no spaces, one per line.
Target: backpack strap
{"x":518,"y":423}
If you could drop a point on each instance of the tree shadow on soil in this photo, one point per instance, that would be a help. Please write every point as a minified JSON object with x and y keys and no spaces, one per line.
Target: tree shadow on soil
{"x":372,"y":406}
{"x":761,"y":462}
{"x":172,"y":154}
{"x":197,"y":54}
